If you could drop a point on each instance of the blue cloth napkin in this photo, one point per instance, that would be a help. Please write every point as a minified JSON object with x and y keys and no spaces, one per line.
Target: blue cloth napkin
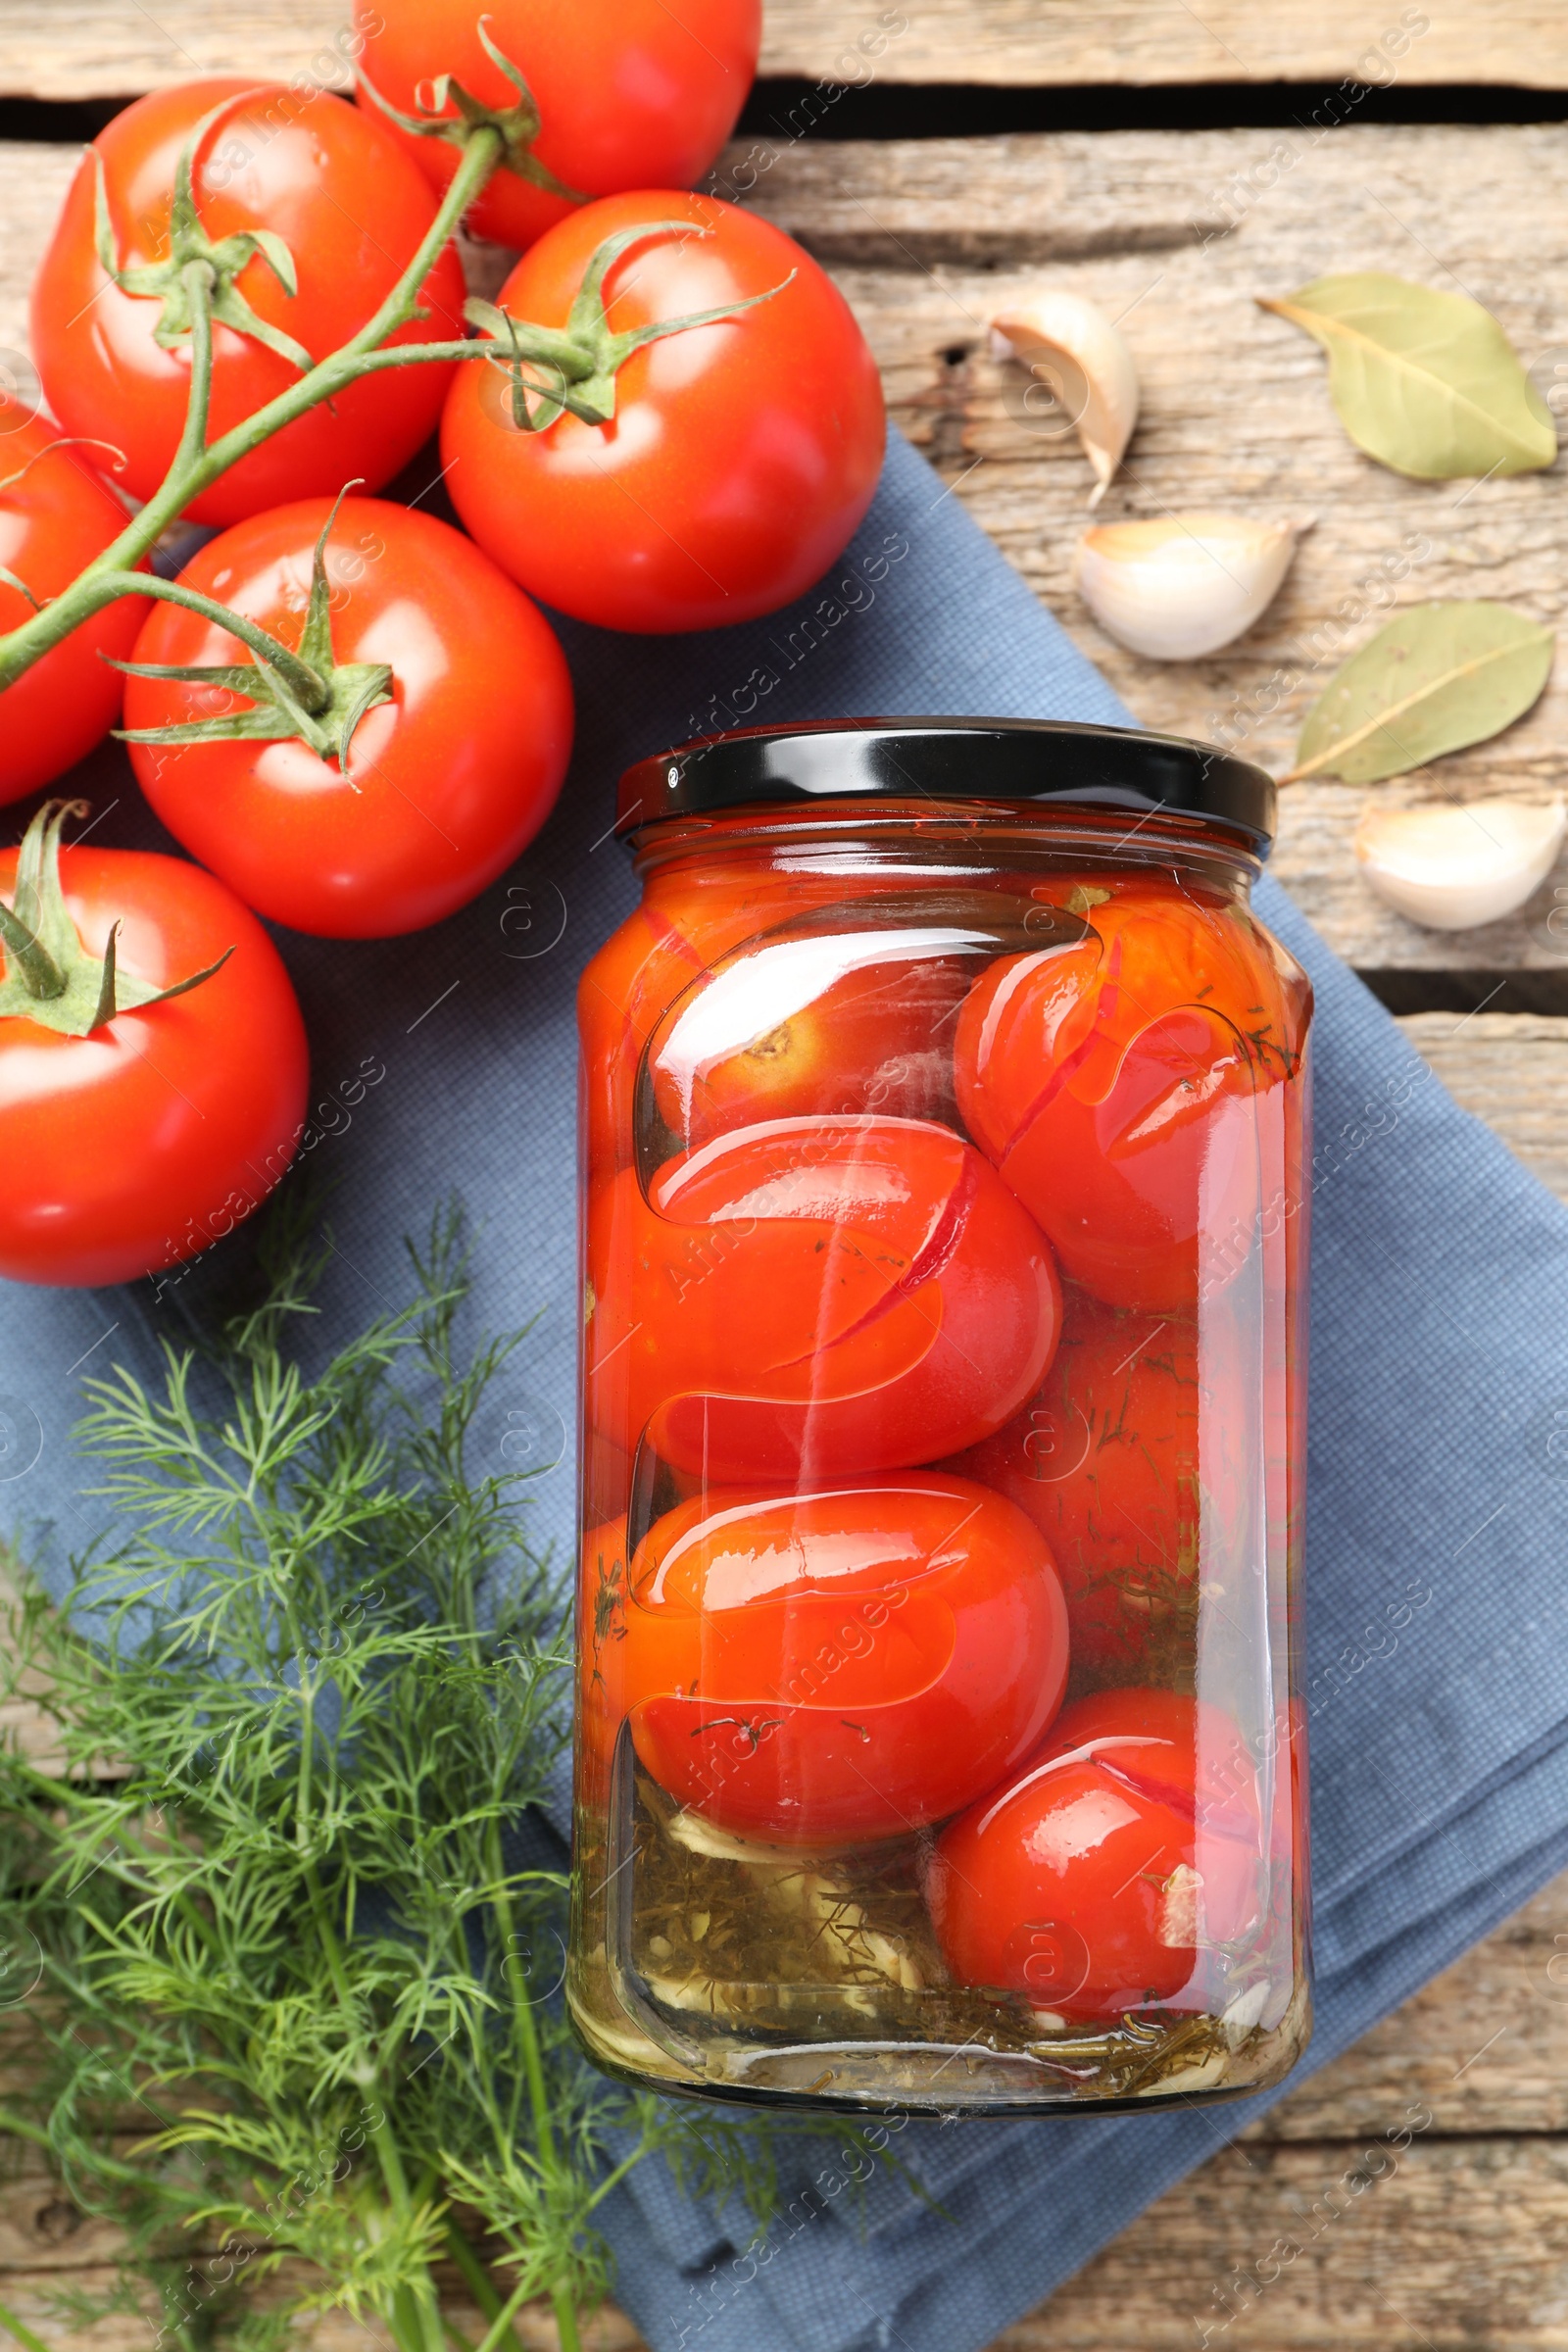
{"x":1438,"y":1608}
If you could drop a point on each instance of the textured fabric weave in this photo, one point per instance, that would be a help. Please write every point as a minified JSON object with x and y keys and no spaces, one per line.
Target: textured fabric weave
{"x":1437,"y":1604}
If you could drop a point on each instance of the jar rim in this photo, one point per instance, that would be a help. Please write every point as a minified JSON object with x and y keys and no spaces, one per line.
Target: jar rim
{"x":1049,"y":762}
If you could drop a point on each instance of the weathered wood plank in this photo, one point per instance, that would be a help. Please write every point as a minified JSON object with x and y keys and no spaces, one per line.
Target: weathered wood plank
{"x":1511,"y":1070}
{"x":1176,"y":236}
{"x":1485,"y":2048}
{"x":925,"y":240}
{"x":30,"y":2292}
{"x":1443,"y":2245}
{"x":114,"y":48}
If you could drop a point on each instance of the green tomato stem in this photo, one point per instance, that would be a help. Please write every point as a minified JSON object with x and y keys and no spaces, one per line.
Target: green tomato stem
{"x":306,"y":686}
{"x":199,"y":464}
{"x":199,"y":282}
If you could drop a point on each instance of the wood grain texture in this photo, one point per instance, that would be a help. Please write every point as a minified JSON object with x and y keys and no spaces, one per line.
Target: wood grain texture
{"x":114,"y":48}
{"x":1175,"y":235}
{"x":1458,"y":2241}
{"x":1448,"y":2245}
{"x":926,"y":239}
{"x":1510,"y":1069}
{"x":1464,"y":2241}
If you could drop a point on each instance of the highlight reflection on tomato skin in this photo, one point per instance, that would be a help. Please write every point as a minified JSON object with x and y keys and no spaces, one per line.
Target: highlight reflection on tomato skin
{"x":1096,"y":1879}
{"x":444,"y":784}
{"x":1128,"y":1185}
{"x":824,"y":1024}
{"x":814,"y":1297}
{"x":1120,"y":1085}
{"x":840,"y":1665}
{"x":328,"y":179}
{"x":668,"y":946}
{"x":742,"y":455}
{"x":127,"y":1151}
{"x":636,"y":95}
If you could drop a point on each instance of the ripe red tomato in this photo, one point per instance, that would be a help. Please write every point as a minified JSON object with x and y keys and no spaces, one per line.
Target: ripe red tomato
{"x":1103,"y":1874}
{"x":741,"y":454}
{"x":814,"y":1297}
{"x":352,"y":209}
{"x":132,"y":1149}
{"x":845,"y":1021}
{"x":1117,"y":1083}
{"x":843,"y":1665}
{"x":1116,"y":1459}
{"x":55,"y":517}
{"x":630,"y":94}
{"x":444,"y":785}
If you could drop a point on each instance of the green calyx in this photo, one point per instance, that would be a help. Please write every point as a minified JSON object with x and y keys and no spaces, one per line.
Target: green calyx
{"x":575,"y":371}
{"x":301,"y":692}
{"x":189,"y":244}
{"x":49,"y":975}
{"x":517,"y":126}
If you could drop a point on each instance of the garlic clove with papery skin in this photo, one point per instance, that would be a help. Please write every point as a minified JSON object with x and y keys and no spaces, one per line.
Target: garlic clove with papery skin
{"x":1081,"y":358}
{"x":1457,"y":866}
{"x":1179,"y":586}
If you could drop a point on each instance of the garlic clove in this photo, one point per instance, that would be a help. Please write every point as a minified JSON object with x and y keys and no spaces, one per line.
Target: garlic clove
{"x":1179,"y":586}
{"x":1453,"y":867}
{"x":1083,"y":358}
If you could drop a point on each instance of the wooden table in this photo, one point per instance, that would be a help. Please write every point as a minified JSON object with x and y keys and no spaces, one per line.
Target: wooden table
{"x":1466,"y":2243}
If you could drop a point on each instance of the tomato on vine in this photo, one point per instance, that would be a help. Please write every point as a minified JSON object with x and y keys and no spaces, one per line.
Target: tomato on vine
{"x":628,"y":94}
{"x":704,"y":441}
{"x":56,"y":514}
{"x":153,"y":1062}
{"x":304,"y":212}
{"x":418,"y":754}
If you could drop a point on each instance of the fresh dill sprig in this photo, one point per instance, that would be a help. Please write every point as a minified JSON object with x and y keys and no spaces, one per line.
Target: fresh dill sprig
{"x":297,"y":1956}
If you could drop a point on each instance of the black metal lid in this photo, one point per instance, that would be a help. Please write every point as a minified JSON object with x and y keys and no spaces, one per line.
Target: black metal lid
{"x":1041,"y":759}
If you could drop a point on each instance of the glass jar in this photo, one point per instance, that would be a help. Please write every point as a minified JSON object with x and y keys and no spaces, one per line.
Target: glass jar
{"x":945,"y":1130}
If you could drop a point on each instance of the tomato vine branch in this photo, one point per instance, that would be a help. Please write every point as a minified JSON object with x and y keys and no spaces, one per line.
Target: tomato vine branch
{"x":580,"y":365}
{"x":519,"y":124}
{"x":199,"y":463}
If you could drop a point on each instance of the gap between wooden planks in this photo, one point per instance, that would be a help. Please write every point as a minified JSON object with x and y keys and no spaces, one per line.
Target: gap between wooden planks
{"x":1176,"y":233}
{"x":90,"y":48}
{"x":1466,"y":2242}
{"x":1457,"y":2244}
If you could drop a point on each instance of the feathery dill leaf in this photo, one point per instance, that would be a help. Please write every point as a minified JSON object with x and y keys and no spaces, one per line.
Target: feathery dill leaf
{"x":297,"y":1957}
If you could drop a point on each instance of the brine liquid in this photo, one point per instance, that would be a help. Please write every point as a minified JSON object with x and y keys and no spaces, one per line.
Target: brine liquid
{"x":942,"y":1452}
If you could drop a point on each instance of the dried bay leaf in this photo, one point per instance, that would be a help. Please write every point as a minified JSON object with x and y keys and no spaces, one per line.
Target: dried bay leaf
{"x":1436,"y":678}
{"x":1426,"y":382}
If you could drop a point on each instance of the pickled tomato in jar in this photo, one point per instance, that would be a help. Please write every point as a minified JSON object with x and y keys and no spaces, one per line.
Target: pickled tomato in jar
{"x":945,"y":1127}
